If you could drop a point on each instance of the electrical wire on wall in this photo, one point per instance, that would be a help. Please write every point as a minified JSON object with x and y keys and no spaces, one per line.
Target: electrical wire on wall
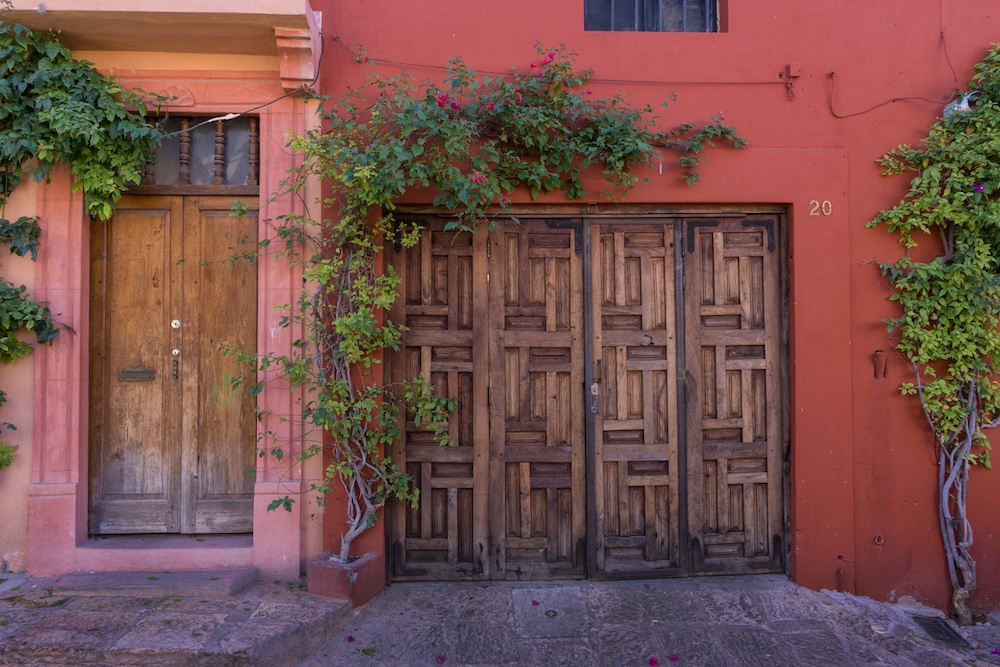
{"x":362,"y":57}
{"x":947,"y":57}
{"x":295,"y":91}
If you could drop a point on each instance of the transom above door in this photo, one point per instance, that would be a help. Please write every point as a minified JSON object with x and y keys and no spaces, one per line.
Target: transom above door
{"x":619,"y":387}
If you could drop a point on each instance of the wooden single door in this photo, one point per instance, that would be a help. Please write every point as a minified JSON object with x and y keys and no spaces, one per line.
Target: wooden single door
{"x":443,"y":305}
{"x":735,"y":398}
{"x":171,"y":443}
{"x":633,"y":394}
{"x":537,"y":447}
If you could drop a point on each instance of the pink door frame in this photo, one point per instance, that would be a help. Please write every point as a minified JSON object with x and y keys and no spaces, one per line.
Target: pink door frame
{"x":57,"y":506}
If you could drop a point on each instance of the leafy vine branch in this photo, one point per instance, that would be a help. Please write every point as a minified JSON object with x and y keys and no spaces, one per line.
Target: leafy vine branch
{"x":471,"y":142}
{"x":55,"y":109}
{"x":948,"y":329}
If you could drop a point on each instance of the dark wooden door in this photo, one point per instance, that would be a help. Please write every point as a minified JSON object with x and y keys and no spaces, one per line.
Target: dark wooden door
{"x":537,"y":447}
{"x":734,"y":355}
{"x":443,"y":305}
{"x":634,"y":398}
{"x":171,"y":444}
{"x":620,"y":399}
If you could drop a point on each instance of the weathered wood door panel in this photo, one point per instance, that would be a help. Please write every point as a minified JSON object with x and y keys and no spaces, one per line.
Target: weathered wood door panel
{"x":443,"y":304}
{"x":562,"y":342}
{"x":171,"y":445}
{"x":537,"y":448}
{"x":735,"y":452}
{"x":635,"y":423}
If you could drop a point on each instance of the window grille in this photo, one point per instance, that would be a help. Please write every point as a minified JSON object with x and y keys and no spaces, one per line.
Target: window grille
{"x":219,"y":155}
{"x":652,"y":15}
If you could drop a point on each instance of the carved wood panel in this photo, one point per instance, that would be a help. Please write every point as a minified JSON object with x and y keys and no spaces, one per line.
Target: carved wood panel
{"x":443,"y":305}
{"x":734,"y":364}
{"x":637,"y":502}
{"x":537,"y":446}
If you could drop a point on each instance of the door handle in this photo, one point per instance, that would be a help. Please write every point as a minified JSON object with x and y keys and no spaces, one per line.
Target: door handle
{"x":594,"y":391}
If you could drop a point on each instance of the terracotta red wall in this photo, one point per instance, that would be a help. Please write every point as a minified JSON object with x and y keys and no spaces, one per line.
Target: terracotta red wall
{"x":863,"y":471}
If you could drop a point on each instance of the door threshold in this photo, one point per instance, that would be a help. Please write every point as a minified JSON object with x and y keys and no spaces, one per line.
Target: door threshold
{"x":168,"y":542}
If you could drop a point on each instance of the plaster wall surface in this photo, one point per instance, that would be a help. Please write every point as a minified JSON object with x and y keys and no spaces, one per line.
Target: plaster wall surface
{"x":16,"y":382}
{"x":865,"y":78}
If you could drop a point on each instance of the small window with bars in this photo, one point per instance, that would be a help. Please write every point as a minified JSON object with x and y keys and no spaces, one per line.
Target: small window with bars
{"x":652,"y":15}
{"x":199,"y":156}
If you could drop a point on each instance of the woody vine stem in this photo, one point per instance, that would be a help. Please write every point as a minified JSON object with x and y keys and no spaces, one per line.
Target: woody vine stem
{"x":948,"y":287}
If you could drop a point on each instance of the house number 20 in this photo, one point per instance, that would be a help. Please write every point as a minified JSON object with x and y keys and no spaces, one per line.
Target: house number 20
{"x":817,"y":207}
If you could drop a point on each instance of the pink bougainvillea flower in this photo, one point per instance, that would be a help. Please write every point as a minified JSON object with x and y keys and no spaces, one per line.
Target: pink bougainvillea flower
{"x":350,"y":638}
{"x":491,"y":105}
{"x":979,"y":187}
{"x":590,"y":92}
{"x":533,"y":64}
{"x":546,"y":61}
{"x":504,"y":199}
{"x":517,"y":89}
{"x":440,"y":660}
{"x":518,"y":99}
{"x":673,"y":657}
{"x":552,"y":55}
{"x":653,"y":662}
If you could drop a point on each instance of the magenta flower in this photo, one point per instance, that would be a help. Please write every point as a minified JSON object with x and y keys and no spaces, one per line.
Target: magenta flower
{"x":517,"y":89}
{"x":995,"y":651}
{"x":533,"y":64}
{"x":673,"y":657}
{"x":535,"y":603}
{"x":979,"y":187}
{"x":504,"y":199}
{"x":518,"y":99}
{"x":491,"y":105}
{"x":350,"y":638}
{"x":552,"y":55}
{"x":440,"y":660}
{"x":653,"y":662}
{"x":590,"y":92}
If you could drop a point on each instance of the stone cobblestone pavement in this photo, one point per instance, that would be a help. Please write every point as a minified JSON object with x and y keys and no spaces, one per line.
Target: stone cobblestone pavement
{"x":208,"y":620}
{"x":758,"y":621}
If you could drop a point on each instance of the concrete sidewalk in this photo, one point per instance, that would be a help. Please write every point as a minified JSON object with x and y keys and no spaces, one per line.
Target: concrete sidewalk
{"x":227,"y":619}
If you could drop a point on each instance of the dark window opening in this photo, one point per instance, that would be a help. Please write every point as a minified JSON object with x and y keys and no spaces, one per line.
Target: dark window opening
{"x":218,"y":154}
{"x":652,"y":15}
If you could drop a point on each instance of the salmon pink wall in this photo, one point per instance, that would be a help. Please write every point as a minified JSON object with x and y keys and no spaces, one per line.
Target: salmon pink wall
{"x":868,"y":76}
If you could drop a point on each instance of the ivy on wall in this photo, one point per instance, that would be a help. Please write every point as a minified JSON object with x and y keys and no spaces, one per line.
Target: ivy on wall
{"x":55,"y":109}
{"x":948,"y":288}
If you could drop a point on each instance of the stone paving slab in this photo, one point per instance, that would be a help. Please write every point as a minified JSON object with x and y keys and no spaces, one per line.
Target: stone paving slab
{"x":270,"y":624}
{"x":754,"y":621}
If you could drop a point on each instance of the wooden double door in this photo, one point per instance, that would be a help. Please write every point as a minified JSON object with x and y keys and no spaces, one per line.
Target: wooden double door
{"x":620,"y":390}
{"x":171,"y":442}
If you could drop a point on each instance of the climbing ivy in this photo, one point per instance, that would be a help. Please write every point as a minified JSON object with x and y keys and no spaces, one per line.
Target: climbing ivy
{"x":948,"y":288}
{"x":55,"y":109}
{"x":470,"y":141}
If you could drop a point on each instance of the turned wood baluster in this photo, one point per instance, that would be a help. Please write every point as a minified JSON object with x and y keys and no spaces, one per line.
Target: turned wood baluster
{"x":184,"y":172}
{"x":254,"y":153}
{"x":219,"y":172}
